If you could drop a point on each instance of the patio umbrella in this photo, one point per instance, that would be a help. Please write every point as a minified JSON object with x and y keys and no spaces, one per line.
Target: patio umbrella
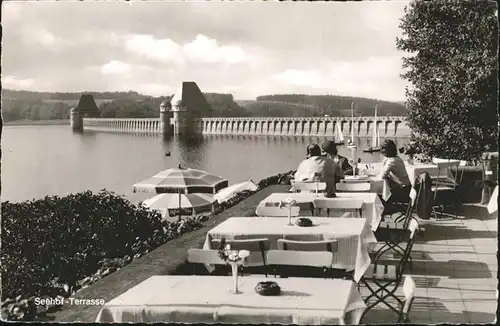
{"x":173,"y":204}
{"x":183,"y":180}
{"x":232,"y":190}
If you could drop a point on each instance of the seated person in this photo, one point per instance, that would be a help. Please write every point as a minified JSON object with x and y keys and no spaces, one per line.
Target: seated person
{"x":331,"y":151}
{"x":320,"y":167}
{"x":394,"y":174}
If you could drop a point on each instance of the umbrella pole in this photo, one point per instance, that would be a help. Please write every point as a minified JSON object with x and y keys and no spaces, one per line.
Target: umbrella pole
{"x":179,"y":205}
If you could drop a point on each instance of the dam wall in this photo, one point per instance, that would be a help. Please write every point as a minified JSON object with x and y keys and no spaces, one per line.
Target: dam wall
{"x":306,"y":126}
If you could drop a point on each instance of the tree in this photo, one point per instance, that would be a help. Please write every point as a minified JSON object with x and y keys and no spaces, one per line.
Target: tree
{"x":454,"y":75}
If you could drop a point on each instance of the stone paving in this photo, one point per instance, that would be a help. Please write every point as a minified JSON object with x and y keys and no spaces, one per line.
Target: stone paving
{"x":455,"y":269}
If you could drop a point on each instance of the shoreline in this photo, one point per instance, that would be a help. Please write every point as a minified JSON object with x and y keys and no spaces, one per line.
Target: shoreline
{"x":37,"y":123}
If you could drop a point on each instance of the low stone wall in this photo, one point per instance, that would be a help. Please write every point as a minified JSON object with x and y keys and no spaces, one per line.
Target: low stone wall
{"x":162,"y":261}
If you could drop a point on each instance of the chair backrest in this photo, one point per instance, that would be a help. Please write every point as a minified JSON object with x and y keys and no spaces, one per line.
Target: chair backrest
{"x":412,"y":229}
{"x":255,"y":246}
{"x":260,"y":244}
{"x":411,"y":206}
{"x":301,"y":245}
{"x":409,"y":288}
{"x":353,"y":187}
{"x":275,"y":211}
{"x":299,"y":186}
{"x":299,"y":258}
{"x":460,"y":174}
{"x":332,"y":206}
{"x":445,"y":177}
{"x":204,"y":256}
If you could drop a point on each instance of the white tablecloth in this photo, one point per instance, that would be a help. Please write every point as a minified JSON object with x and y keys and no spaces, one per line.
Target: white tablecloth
{"x":354,"y":236}
{"x":372,"y":206}
{"x":493,"y":204}
{"x":207,"y":299}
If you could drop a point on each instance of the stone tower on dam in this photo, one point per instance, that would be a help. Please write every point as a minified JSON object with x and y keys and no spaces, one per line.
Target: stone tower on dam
{"x":188,"y":106}
{"x":86,"y":108}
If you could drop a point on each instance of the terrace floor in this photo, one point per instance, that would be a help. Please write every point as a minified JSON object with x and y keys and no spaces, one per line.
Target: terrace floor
{"x":454,"y":266}
{"x":455,"y":269}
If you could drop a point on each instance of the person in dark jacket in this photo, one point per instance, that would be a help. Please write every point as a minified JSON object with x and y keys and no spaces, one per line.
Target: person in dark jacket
{"x":331,"y":151}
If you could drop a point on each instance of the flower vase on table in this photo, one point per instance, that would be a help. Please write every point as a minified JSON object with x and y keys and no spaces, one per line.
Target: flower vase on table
{"x":289,"y":203}
{"x":234,"y":270}
{"x":232,"y":257}
{"x":316,"y":179}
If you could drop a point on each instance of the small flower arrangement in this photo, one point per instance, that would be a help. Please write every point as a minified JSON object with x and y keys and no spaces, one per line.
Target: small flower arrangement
{"x":231,"y":256}
{"x":289,"y":202}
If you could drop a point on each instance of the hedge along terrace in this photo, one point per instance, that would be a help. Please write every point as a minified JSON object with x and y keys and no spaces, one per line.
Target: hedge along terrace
{"x":54,"y":246}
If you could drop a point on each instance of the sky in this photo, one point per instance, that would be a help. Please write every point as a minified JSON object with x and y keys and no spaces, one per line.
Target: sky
{"x":244,"y":48}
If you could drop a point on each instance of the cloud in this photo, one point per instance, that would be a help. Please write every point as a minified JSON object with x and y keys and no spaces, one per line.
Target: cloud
{"x":157,"y":49}
{"x":332,"y":48}
{"x":11,"y":10}
{"x":42,"y":36}
{"x":299,"y":77}
{"x":115,"y":67}
{"x":204,"y":49}
{"x":13,"y":82}
{"x":200,"y":50}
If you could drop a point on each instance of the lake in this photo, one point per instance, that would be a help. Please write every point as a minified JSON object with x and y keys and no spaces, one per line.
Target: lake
{"x":51,"y":160}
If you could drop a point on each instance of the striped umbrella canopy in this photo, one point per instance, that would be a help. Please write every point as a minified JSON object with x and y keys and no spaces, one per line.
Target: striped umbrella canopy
{"x":187,"y":201}
{"x":184,"y":180}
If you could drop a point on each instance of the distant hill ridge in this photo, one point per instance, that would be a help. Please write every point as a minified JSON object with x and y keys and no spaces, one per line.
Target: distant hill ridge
{"x":30,"y":105}
{"x":334,"y":105}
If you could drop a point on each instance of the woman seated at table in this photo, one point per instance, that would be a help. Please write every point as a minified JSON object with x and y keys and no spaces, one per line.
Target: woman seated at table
{"x":332,"y":152}
{"x":394,"y":174}
{"x":320,"y":167}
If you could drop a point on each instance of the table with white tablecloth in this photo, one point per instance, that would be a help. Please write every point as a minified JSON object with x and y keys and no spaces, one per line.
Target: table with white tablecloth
{"x":372,"y":206}
{"x":354,"y":236}
{"x":208,"y":299}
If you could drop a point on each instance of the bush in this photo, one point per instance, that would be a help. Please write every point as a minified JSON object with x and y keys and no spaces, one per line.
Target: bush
{"x":54,"y":245}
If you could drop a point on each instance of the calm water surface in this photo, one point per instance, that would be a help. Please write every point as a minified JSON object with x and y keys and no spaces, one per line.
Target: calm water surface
{"x":50,"y":160}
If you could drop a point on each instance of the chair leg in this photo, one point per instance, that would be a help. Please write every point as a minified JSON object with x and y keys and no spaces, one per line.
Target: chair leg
{"x":381,"y":299}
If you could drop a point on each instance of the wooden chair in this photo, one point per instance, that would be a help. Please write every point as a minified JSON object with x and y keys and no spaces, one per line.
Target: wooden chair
{"x":311,"y":255}
{"x":345,"y":206}
{"x":321,"y":259}
{"x":257,"y":247}
{"x":204,"y":256}
{"x":392,"y":233}
{"x":445,"y":183}
{"x":275,"y":211}
{"x":409,"y":288}
{"x":387,"y":278}
{"x":353,"y":187}
{"x":300,"y":245}
{"x":308,"y":186}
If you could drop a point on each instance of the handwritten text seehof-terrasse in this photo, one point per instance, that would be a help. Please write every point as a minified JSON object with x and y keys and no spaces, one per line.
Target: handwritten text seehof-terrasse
{"x":71,"y":301}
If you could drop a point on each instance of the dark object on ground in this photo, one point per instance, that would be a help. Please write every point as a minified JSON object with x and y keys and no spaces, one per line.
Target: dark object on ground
{"x":167,"y":154}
